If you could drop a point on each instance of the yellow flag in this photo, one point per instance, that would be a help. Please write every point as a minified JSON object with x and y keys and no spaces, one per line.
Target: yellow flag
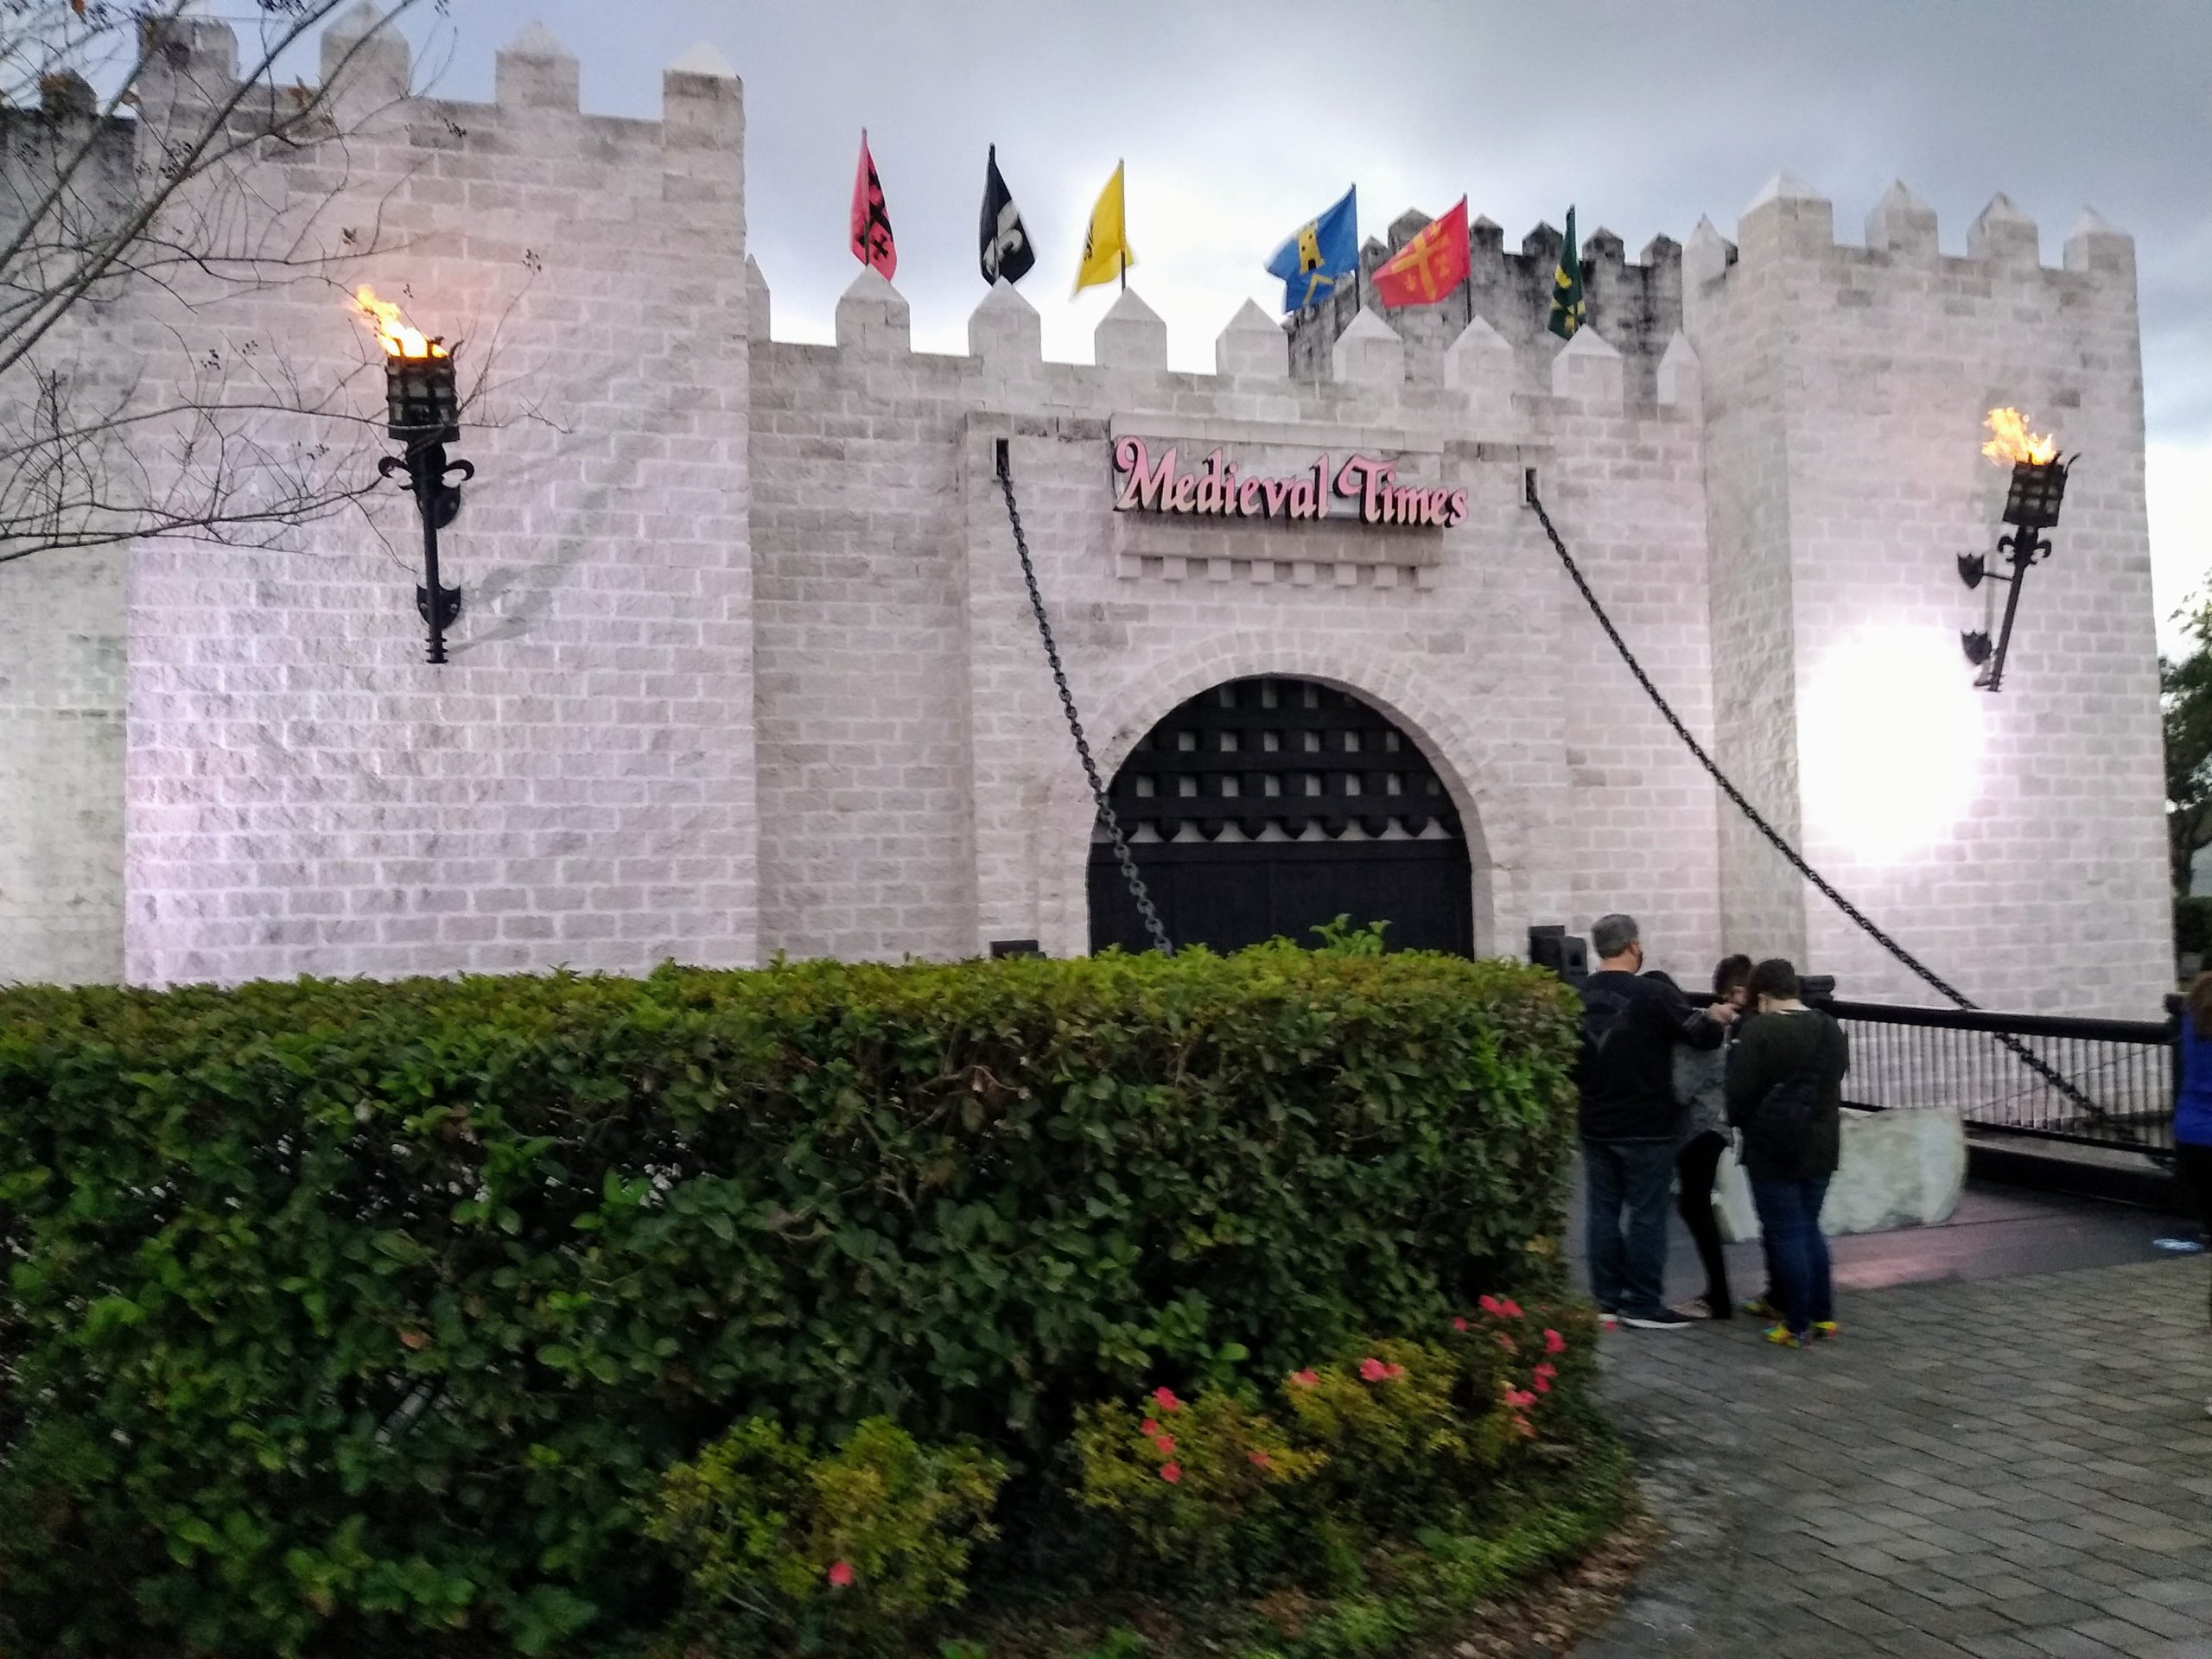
{"x":1106,"y":245}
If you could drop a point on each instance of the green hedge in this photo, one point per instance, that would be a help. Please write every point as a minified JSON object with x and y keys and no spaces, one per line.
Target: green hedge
{"x":335,"y":1311}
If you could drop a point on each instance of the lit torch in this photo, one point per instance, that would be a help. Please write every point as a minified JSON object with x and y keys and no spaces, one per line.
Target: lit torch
{"x":422,"y":412}
{"x":2031,"y":505}
{"x":422,"y":406}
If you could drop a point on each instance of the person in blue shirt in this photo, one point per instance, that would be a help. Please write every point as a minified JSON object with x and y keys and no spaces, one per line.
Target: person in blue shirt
{"x":2193,"y":1107}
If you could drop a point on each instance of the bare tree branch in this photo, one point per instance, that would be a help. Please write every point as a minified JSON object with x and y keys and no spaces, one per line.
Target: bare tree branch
{"x":138,"y":195}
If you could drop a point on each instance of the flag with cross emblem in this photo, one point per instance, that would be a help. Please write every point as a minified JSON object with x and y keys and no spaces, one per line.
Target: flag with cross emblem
{"x":1323,"y":254}
{"x":1569,"y":310}
{"x":871,"y":221}
{"x":1430,"y":266}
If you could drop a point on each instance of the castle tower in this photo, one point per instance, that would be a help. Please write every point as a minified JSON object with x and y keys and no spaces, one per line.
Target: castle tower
{"x":1845,"y":389}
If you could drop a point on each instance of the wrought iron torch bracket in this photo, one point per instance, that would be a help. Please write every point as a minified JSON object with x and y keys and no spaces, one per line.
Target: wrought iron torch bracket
{"x":434,"y":481}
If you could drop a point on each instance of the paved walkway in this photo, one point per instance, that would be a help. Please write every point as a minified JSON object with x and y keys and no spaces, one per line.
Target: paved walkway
{"x":2009,"y":1468}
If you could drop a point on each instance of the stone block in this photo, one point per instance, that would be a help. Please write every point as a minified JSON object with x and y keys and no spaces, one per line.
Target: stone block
{"x":1705,"y":255}
{"x":1787,"y":218}
{"x":1130,"y":335}
{"x":1005,"y":332}
{"x":1252,"y":344}
{"x":1588,"y":368}
{"x":1901,"y":223}
{"x":2003,"y":234}
{"x":1897,"y":1169}
{"x":757,"y":299}
{"x":1479,"y":366}
{"x":1680,"y":380}
{"x":1369,"y":353}
{"x":2093,"y":246}
{"x":535,"y":71}
{"x":874,"y":317}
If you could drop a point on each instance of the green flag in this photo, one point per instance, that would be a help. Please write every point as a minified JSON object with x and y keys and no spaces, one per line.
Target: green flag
{"x":1568,"y":312}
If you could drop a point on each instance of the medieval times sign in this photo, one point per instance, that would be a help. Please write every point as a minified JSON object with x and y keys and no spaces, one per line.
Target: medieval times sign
{"x":1218,"y":491}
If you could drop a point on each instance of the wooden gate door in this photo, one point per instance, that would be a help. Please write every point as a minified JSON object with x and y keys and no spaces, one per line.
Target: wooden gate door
{"x":1267,"y":807}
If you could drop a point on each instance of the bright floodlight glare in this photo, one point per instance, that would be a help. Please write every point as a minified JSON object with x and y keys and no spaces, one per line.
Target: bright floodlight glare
{"x":1891,"y":742}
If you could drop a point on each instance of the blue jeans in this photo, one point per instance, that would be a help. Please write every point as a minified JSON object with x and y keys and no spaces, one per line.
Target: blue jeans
{"x":1796,"y":1253}
{"x":1628,"y":1270}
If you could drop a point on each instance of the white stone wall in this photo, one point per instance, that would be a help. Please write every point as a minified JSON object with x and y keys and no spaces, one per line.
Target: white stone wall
{"x":746,"y":664}
{"x":861,"y":661}
{"x":576,"y":787}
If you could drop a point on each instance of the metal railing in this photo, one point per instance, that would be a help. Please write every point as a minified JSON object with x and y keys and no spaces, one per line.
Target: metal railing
{"x":2096,"y":1082}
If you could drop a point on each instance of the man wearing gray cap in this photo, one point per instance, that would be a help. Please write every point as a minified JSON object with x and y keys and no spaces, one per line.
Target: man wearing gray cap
{"x":1631,"y":1026}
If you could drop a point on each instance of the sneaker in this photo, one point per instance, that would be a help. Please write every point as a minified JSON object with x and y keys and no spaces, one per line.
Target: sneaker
{"x":1759,"y":1308}
{"x":1665,"y":1320}
{"x":1825,"y":1330}
{"x":1783,"y":1337}
{"x":1697,"y":1308}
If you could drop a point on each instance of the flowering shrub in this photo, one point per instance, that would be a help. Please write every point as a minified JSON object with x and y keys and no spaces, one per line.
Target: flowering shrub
{"x":1389,"y":1438}
{"x":1198,"y":1483}
{"x":851,"y":1549}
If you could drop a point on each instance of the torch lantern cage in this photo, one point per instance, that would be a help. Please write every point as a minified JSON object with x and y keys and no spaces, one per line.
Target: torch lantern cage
{"x":421,"y":403}
{"x":2038,"y":490}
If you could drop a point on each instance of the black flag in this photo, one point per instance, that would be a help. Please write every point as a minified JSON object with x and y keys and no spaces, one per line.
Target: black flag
{"x":1003,"y":249}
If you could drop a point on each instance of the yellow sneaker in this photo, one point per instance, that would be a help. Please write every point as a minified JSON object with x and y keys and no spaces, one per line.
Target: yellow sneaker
{"x":1823,"y":1330}
{"x":1783,"y":1337}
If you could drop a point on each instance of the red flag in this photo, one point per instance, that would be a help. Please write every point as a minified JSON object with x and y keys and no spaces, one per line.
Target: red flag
{"x":1429,"y":267}
{"x":871,"y":243}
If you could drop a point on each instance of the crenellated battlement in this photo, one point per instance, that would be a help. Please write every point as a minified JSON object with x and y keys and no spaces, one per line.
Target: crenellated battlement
{"x":1370,"y":364}
{"x":1789,"y":220}
{"x":366,"y":91}
{"x":1637,"y":305}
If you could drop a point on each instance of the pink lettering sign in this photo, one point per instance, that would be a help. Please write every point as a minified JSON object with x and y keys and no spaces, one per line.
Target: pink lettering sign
{"x":1216,"y":490}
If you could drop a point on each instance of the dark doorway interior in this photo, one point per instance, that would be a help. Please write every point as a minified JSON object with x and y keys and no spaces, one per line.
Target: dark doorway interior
{"x":1267,"y":807}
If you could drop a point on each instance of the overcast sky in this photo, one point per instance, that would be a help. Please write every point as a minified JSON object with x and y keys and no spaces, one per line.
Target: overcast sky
{"x":1238,"y":121}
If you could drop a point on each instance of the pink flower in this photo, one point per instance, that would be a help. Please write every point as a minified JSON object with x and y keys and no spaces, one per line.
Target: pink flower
{"x":1307,"y":1379}
{"x":1259,"y":1459}
{"x":1151,"y":1426}
{"x":1459,"y":1324}
{"x":1555,"y":1342}
{"x":841,"y":1573}
{"x":1166,"y":1443}
{"x":1506,"y":1341}
{"x":1525,"y":1426}
{"x":1545,"y":1371}
{"x":1509,"y":1308}
{"x":1170,"y":1472}
{"x":1373,"y":1370}
{"x":1165,"y":1400}
{"x":1489,"y":1304}
{"x":1518,"y":1399}
{"x":1394,"y":1372}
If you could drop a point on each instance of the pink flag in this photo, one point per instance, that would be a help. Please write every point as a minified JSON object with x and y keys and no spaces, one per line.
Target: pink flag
{"x":871,"y":243}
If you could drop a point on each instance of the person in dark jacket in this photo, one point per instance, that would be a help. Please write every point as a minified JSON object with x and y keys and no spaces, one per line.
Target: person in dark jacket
{"x":1785,"y":1094}
{"x":1701,"y":1084}
{"x":1628,"y":1120}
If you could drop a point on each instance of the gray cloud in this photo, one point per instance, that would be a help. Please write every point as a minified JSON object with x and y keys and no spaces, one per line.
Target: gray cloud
{"x":1238,"y":121}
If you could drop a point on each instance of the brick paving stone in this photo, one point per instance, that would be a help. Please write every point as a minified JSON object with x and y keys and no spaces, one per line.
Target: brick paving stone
{"x":2007,"y":1469}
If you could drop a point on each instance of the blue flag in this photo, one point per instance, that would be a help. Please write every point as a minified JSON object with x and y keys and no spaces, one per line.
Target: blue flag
{"x":1322,"y":255}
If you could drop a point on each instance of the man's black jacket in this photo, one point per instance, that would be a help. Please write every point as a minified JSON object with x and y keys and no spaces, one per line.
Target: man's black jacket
{"x":1630,"y":1026}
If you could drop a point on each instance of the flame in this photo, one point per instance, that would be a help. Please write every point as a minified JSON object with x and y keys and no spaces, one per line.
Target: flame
{"x":392,"y":332}
{"x":2010,"y":442}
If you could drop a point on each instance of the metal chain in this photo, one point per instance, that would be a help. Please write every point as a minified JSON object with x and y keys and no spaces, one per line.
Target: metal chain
{"x":1775,"y":837}
{"x":1145,"y":907}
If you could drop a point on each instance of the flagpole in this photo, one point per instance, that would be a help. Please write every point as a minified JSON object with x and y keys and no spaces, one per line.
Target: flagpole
{"x":1118,"y":166}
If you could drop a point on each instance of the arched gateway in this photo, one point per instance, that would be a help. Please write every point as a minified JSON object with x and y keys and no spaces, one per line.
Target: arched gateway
{"x":1263,"y":807}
